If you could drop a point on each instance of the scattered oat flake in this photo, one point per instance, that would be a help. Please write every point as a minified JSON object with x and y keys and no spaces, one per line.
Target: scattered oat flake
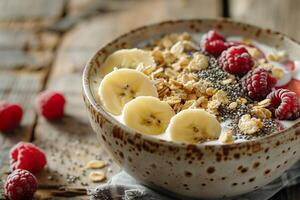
{"x":95,"y":164}
{"x":97,"y":176}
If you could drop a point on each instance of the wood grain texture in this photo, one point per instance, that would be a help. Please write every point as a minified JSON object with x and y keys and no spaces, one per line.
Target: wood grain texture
{"x":69,"y":143}
{"x":23,"y":48}
{"x":283,"y":16}
{"x":30,"y":13}
{"x":19,"y":88}
{"x":97,"y":31}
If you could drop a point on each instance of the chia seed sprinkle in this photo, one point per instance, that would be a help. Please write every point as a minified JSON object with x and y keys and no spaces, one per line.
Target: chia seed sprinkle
{"x":214,"y":74}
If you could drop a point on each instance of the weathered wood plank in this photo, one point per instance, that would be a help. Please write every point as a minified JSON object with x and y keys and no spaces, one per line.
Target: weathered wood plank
{"x":26,"y":48}
{"x":31,"y":12}
{"x":69,"y":143}
{"x":279,"y":15}
{"x":20,"y":88}
{"x":85,"y":38}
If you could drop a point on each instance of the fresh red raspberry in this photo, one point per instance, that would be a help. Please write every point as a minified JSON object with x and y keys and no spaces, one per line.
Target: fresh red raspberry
{"x":10,"y":116}
{"x":284,"y":104}
{"x":20,"y":185}
{"x":51,"y":105}
{"x":27,"y":156}
{"x":213,"y":43}
{"x":213,"y":35}
{"x":236,"y":60}
{"x":258,"y":83}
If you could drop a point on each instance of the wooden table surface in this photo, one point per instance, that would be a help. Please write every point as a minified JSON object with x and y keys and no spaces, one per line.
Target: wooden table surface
{"x":44,"y":44}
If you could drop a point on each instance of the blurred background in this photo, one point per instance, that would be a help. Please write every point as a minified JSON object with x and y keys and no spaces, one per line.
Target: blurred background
{"x":44,"y":44}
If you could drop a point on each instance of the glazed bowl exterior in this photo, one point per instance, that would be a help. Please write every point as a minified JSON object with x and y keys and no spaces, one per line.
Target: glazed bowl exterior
{"x":199,"y":171}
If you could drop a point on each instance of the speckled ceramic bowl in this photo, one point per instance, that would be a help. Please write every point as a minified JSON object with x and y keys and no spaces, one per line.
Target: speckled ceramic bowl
{"x":201,"y":171}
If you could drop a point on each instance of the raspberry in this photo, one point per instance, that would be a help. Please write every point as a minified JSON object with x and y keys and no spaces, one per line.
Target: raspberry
{"x":284,"y":104}
{"x":51,"y":104}
{"x":213,"y":43}
{"x":27,"y":156}
{"x":20,"y":185}
{"x":236,"y":60}
{"x":10,"y":116}
{"x":213,"y":35}
{"x":258,"y":83}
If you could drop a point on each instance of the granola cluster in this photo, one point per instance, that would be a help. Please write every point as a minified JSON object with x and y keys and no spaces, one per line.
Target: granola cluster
{"x":186,"y":77}
{"x":179,"y":60}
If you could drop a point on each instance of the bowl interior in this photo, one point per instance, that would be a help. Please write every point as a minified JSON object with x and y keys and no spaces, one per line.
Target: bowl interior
{"x":139,"y":37}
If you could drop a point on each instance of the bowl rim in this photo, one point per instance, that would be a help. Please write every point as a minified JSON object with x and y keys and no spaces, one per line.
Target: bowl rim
{"x":89,"y":96}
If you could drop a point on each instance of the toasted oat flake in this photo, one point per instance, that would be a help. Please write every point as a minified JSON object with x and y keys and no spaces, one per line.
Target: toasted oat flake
{"x":264,"y":103}
{"x":220,"y":96}
{"x":277,"y":72}
{"x":233,"y":105}
{"x":227,"y":81}
{"x":97,"y":176}
{"x":95,"y":164}
{"x":227,"y":137}
{"x":261,"y":113}
{"x":177,"y":49}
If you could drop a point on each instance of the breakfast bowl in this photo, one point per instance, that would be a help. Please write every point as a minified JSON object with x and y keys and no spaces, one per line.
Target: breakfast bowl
{"x":202,"y":170}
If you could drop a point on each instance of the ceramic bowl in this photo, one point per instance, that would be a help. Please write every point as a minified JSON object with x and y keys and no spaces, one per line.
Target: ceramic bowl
{"x":200,"y":171}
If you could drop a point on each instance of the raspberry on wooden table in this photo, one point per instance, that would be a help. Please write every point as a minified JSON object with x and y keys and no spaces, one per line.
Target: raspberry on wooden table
{"x":27,"y":156}
{"x":258,"y":83}
{"x":10,"y":116}
{"x":20,"y":185}
{"x":236,"y":60}
{"x":285,"y":104}
{"x":213,"y":43}
{"x":51,"y":104}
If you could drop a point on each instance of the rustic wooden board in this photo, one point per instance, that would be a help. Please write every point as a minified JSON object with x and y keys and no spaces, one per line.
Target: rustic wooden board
{"x":279,"y":15}
{"x":97,"y":31}
{"x":31,"y":12}
{"x":23,"y":48}
{"x":69,"y":143}
{"x":20,"y":88}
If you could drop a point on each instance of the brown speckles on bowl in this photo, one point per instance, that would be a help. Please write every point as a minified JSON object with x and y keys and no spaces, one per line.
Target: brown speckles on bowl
{"x":166,"y":164}
{"x":267,"y":171}
{"x":211,"y":169}
{"x":256,"y":165}
{"x":188,"y":174}
{"x":252,"y":179}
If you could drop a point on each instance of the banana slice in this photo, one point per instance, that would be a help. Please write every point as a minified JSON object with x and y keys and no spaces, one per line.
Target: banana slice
{"x":148,"y":115}
{"x":120,"y":86}
{"x":193,"y":125}
{"x":126,"y":58}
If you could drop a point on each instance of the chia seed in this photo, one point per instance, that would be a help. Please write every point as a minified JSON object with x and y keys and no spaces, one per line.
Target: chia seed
{"x":214,"y":74}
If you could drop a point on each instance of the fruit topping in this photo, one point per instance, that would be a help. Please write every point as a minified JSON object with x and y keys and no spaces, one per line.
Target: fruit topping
{"x":285,"y":104}
{"x":258,"y":83}
{"x":236,"y":60}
